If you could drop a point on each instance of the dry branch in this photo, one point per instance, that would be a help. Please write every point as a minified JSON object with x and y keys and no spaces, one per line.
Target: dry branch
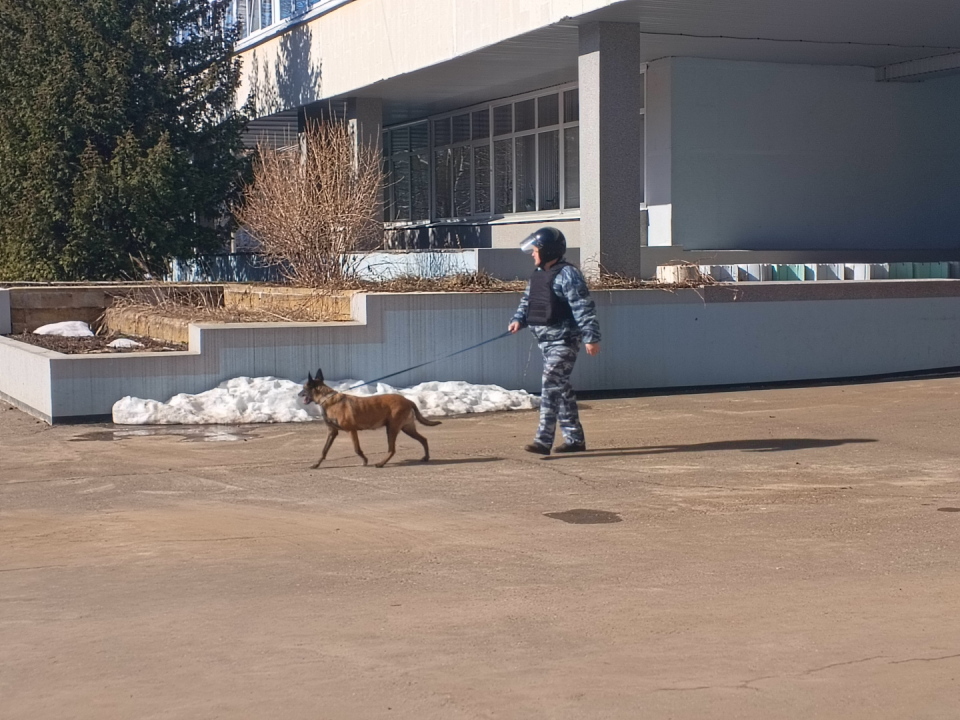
{"x":310,"y":207}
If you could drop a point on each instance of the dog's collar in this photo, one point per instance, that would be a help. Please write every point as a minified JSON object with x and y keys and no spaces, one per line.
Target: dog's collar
{"x":330,"y":399}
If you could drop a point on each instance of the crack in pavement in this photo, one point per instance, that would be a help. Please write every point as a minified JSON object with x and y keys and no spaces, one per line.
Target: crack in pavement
{"x":840,"y":664}
{"x":34,"y":567}
{"x":932,"y":659}
{"x":745,"y":685}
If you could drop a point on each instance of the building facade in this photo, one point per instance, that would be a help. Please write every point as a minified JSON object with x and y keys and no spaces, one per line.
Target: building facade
{"x":702,"y":125}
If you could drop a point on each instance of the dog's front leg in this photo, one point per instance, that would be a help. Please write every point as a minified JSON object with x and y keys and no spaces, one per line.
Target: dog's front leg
{"x":356,"y":445}
{"x":391,"y":445}
{"x":331,"y":436}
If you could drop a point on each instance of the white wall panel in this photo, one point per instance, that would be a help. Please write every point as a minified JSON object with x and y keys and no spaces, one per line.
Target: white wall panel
{"x":772,"y":156}
{"x":768,"y":332}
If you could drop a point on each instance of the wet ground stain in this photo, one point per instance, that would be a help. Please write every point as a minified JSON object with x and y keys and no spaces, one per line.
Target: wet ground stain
{"x":583,"y":516}
{"x":204,"y":433}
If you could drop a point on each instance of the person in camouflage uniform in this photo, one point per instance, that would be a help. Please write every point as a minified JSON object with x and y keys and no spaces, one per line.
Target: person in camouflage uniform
{"x":561,"y":314}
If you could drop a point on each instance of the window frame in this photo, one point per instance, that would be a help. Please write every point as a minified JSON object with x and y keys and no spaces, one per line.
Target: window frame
{"x":643,"y":140}
{"x":491,"y":216}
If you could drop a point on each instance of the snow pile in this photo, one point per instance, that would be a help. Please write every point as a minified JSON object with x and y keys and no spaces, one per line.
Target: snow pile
{"x":125,"y":343}
{"x":71,"y":328}
{"x":272,"y":400}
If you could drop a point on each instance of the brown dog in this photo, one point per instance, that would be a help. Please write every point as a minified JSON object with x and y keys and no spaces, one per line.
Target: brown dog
{"x":352,"y":413}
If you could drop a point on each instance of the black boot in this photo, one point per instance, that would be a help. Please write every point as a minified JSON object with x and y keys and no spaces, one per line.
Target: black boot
{"x":537,"y":448}
{"x":570,"y":447}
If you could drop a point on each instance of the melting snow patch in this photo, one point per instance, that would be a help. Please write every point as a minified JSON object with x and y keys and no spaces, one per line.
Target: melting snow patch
{"x":125,"y":343}
{"x":272,"y":400}
{"x":71,"y":328}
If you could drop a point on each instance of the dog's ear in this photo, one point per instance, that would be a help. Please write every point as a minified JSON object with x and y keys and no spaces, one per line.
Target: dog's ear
{"x":309,"y":377}
{"x":319,"y":375}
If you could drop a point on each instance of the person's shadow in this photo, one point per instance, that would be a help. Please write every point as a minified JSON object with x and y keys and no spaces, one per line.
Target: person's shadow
{"x":764,"y":445}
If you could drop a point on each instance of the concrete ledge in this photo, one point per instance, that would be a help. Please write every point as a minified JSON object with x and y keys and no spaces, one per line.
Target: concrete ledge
{"x":830,"y":290}
{"x":651,"y":339}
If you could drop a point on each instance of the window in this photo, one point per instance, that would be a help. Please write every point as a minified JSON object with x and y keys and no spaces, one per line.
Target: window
{"x":571,"y":149}
{"x":512,"y":156}
{"x":406,"y":194}
{"x":256,"y":15}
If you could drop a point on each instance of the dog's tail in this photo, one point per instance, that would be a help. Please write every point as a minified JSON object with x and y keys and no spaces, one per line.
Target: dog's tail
{"x":421,"y":419}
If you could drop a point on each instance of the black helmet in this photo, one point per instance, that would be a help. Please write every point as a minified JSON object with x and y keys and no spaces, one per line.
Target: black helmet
{"x":550,"y":241}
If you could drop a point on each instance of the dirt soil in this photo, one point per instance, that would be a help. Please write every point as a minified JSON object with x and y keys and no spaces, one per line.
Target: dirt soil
{"x":784,"y":554}
{"x":95,"y":344}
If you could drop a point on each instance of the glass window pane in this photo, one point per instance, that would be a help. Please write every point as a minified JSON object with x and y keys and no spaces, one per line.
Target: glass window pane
{"x":387,"y":192}
{"x":266,"y":13}
{"x":461,"y":182}
{"x":502,"y":120}
{"x":503,"y":176}
{"x":548,"y":110}
{"x":571,"y":105}
{"x":481,"y":124}
{"x":401,"y":188}
{"x":549,"y":168}
{"x":481,"y":178}
{"x":461,"y":128}
{"x":571,"y":167}
{"x":526,"y":153}
{"x":385,"y":144}
{"x":419,"y":137}
{"x":441,"y":132}
{"x":526,"y":113}
{"x":441,"y":174}
{"x":290,"y":8}
{"x":419,"y":187}
{"x":400,"y":140}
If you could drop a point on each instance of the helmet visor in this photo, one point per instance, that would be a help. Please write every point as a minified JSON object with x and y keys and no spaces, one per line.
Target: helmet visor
{"x":529,"y":243}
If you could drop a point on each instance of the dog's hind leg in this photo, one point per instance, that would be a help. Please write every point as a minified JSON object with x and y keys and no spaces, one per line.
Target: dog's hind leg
{"x":392,"y":433}
{"x":331,"y":436}
{"x":411,"y":430}
{"x":356,"y":445}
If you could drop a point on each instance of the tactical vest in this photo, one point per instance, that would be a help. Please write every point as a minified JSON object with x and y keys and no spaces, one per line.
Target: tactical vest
{"x":544,"y":307}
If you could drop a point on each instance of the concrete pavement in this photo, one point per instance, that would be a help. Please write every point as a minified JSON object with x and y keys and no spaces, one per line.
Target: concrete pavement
{"x":786,"y":553}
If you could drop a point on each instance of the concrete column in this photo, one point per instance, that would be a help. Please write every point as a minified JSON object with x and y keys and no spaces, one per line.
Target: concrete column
{"x":363,"y":115}
{"x":6,"y":325}
{"x":611,"y":148}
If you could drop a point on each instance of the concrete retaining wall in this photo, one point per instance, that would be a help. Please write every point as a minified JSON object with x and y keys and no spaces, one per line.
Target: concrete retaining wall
{"x":717,"y":335}
{"x":132,"y":321}
{"x":32,"y":306}
{"x":283,"y":299}
{"x":25,"y":378}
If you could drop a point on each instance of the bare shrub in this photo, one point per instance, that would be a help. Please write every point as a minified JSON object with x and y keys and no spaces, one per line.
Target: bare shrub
{"x":308,"y":208}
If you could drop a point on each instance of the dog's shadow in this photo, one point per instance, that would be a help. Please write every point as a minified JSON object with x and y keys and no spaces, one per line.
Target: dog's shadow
{"x":460,"y":461}
{"x":420,"y":463}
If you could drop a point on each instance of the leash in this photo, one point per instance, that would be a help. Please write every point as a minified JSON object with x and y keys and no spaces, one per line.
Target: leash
{"x":428,"y":362}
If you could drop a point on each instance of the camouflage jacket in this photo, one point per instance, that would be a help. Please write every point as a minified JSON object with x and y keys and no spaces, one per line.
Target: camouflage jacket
{"x":570,"y":286}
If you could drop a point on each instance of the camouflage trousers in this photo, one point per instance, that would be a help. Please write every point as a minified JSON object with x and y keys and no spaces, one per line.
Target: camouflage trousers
{"x":558,"y":402}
